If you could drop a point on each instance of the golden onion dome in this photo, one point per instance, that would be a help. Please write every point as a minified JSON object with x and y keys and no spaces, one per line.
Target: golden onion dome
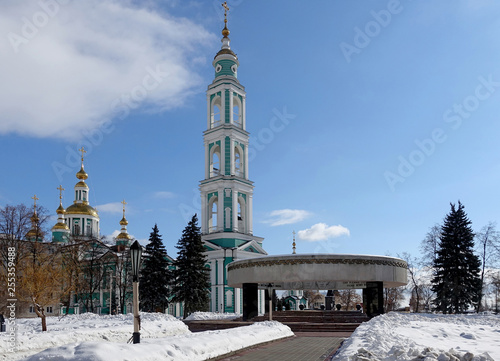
{"x":225,"y":31}
{"x":124,"y":221}
{"x":82,"y":184}
{"x":123,"y":235}
{"x":81,"y":208}
{"x":60,"y":210}
{"x":33,"y":233}
{"x":62,"y":226}
{"x":82,"y":174}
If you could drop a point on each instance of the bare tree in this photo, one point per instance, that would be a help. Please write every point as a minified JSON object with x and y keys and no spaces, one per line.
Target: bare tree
{"x":430,"y":245}
{"x":414,"y":276}
{"x":349,"y":299}
{"x":488,"y":244}
{"x":393,"y":298}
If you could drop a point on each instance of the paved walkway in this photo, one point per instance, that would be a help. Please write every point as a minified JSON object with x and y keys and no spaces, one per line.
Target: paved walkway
{"x":305,"y":346}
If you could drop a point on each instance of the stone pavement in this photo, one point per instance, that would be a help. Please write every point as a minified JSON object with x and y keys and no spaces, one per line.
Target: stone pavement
{"x":305,"y":346}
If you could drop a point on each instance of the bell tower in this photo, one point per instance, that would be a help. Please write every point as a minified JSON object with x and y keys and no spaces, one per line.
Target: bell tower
{"x":226,"y":191}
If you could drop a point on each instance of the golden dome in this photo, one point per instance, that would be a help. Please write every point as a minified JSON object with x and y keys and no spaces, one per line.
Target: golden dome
{"x":60,"y":210}
{"x":33,"y":233}
{"x":80,"y":208}
{"x":82,"y":174}
{"x":123,"y":235}
{"x":81,"y":184}
{"x":62,"y":226}
{"x":124,"y":221}
{"x":225,"y":31}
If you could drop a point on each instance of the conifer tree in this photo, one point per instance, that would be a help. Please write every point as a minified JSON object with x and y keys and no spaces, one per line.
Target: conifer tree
{"x":456,"y":267}
{"x":155,"y":277}
{"x":192,"y":282}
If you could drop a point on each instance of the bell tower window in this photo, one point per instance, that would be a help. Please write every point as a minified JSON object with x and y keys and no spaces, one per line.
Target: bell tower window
{"x":215,"y":116}
{"x":215,"y":162}
{"x":237,"y":112}
{"x":238,"y":166}
{"x":212,"y":218}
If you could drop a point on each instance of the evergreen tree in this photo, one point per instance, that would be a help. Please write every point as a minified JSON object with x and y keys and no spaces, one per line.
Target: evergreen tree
{"x":456,"y":267}
{"x":155,"y":275}
{"x":192,"y":283}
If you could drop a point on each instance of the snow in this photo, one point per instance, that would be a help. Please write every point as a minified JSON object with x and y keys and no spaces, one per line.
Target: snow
{"x":426,"y":337}
{"x":203,"y":316}
{"x":163,"y":337}
{"x":390,"y":337}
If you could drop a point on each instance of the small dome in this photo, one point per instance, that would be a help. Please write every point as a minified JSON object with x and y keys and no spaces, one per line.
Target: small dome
{"x":60,"y":210}
{"x":225,"y":31}
{"x":80,"y":208}
{"x":82,"y":184}
{"x":123,"y":235}
{"x":124,"y":221}
{"x":82,"y":174}
{"x":60,"y":226}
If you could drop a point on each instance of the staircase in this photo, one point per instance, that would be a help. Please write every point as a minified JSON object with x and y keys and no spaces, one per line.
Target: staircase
{"x":298,"y":321}
{"x":318,"y":321}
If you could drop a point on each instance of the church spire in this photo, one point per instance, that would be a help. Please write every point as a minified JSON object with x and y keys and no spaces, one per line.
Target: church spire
{"x":60,"y":231}
{"x":34,"y":233}
{"x":293,"y":244}
{"x":123,"y":239}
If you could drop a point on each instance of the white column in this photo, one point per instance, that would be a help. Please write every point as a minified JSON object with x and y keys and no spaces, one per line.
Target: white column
{"x":245,"y":165}
{"x":231,"y":156}
{"x":207,"y":161}
{"x":204,"y":218}
{"x":237,"y":300}
{"x":231,"y":121}
{"x":249,"y":214}
{"x":235,"y":210}
{"x":209,"y":111}
{"x":220,"y":209}
{"x":223,"y":106}
{"x":222,"y":160}
{"x":243,"y":112}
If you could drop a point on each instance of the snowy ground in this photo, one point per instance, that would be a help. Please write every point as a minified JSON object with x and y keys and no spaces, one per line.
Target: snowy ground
{"x":163,"y":337}
{"x":390,"y":337}
{"x":396,"y":336}
{"x":202,"y":316}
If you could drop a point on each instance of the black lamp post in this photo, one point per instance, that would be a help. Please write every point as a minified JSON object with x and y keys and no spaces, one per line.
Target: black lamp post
{"x":135,"y":255}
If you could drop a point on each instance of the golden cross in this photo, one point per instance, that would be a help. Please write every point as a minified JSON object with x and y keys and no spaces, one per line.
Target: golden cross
{"x":35,"y":199}
{"x":83,"y":151}
{"x":123,"y":202}
{"x":60,"y":191}
{"x":226,"y":9}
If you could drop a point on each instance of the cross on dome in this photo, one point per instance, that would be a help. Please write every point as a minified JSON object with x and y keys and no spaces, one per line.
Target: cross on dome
{"x":35,"y":198}
{"x":60,"y":188}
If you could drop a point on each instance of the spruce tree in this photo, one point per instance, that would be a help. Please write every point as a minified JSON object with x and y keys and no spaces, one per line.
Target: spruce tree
{"x":155,"y":275}
{"x":456,"y":268}
{"x":192,"y":282}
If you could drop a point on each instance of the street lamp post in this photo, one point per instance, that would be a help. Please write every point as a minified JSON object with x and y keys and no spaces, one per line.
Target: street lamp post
{"x":135,"y":254}
{"x":270,"y":294}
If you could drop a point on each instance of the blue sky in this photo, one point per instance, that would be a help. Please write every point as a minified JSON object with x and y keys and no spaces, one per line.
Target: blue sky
{"x":367,"y":118}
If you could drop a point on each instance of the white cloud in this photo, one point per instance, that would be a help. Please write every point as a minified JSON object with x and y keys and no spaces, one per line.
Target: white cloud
{"x":164,"y":195}
{"x":113,"y":208}
{"x":322,"y":232}
{"x":287,"y":216}
{"x":69,"y":67}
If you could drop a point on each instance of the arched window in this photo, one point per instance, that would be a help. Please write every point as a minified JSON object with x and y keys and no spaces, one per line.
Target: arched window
{"x":212,"y":218}
{"x":215,"y":116}
{"x":241,"y":215}
{"x":215,"y":162}
{"x":238,"y":162}
{"x":237,"y":112}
